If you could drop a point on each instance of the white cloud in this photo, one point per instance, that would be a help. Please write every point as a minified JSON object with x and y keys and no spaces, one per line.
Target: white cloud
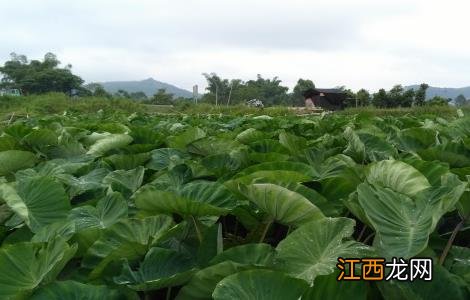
{"x":364,"y":43}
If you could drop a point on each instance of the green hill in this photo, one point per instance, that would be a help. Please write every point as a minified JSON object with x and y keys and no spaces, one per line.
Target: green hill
{"x":149,"y":86}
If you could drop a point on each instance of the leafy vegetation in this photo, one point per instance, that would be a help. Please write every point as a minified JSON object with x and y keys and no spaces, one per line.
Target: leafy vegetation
{"x":112,"y":205}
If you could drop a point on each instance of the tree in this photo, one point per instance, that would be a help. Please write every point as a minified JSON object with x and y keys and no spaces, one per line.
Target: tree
{"x":37,"y":77}
{"x":97,"y":90}
{"x":297,"y":98}
{"x":138,"y":96}
{"x":235,"y":91}
{"x":380,"y":99}
{"x":162,"y":98}
{"x":420,"y":94}
{"x":407,"y":99}
{"x":218,"y":89}
{"x":268,"y":90}
{"x":363,"y":97}
{"x":122,"y":94}
{"x":396,"y":97}
{"x":438,"y":101}
{"x":460,"y":100}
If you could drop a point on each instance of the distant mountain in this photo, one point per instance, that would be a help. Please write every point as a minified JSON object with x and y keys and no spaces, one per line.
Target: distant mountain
{"x":148,"y":86}
{"x":444,"y":92}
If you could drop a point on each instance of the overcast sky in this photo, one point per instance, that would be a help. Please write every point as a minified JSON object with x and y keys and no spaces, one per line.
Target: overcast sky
{"x":367,"y":43}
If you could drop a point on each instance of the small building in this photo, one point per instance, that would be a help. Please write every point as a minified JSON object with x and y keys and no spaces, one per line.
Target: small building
{"x":10,"y":92}
{"x":328,"y":99}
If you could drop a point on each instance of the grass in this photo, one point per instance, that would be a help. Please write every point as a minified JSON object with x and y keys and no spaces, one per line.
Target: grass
{"x":57,"y":103}
{"x":442,"y":111}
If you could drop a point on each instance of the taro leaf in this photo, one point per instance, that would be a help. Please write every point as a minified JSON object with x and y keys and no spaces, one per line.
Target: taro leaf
{"x":145,"y":135}
{"x":224,"y":164}
{"x":126,"y":182}
{"x":398,"y":176}
{"x":18,"y":130}
{"x":166,"y":158}
{"x":62,"y":290}
{"x":211,"y":145}
{"x":250,"y":135}
{"x":64,"y":229}
{"x":202,"y":284}
{"x":128,"y":238}
{"x":455,"y":154}
{"x":89,"y":182}
{"x":282,"y":175}
{"x":259,"y":284}
{"x":364,"y":146}
{"x":458,"y":262}
{"x":295,"y":144}
{"x":231,"y":261}
{"x":8,"y":143}
{"x":127,"y":161}
{"x":24,"y":266}
{"x":282,"y":205}
{"x":267,"y":157}
{"x":189,"y":135}
{"x":196,"y":199}
{"x":108,"y":211}
{"x":38,"y":201}
{"x":313,"y":249}
{"x":297,"y":167}
{"x":414,"y":139}
{"x":14,"y":160}
{"x":110,"y":142}
{"x":38,"y":139}
{"x":328,"y":287}
{"x":444,"y":285}
{"x":268,"y":146}
{"x":174,"y":178}
{"x":433,"y":170}
{"x":402,"y":225}
{"x":160,"y":268}
{"x":356,"y":148}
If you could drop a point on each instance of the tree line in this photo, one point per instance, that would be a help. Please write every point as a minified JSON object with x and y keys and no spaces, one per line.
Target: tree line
{"x":37,"y":77}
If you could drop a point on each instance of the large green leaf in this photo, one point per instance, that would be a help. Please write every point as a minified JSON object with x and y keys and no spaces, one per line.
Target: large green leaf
{"x":38,"y":201}
{"x":398,"y":176}
{"x":231,"y":261}
{"x":444,"y":285}
{"x":113,"y":141}
{"x":14,"y":160}
{"x":250,"y":135}
{"x":166,"y":158}
{"x":414,"y":139}
{"x":402,"y":225}
{"x":259,"y":284}
{"x":281,"y":204}
{"x":328,"y":287}
{"x":128,"y":238}
{"x":202,"y":284}
{"x":128,"y":161}
{"x":295,"y":144}
{"x":40,"y":138}
{"x":160,"y":268}
{"x":126,"y":182}
{"x":108,"y":211}
{"x":24,"y":266}
{"x":65,"y":290}
{"x":196,"y":199}
{"x":180,"y":141}
{"x":313,"y":249}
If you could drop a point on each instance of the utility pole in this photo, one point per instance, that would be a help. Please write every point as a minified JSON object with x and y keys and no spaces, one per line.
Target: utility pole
{"x":230,"y":93}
